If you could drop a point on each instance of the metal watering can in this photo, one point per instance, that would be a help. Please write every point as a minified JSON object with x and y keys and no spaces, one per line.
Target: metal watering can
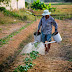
{"x":56,"y":36}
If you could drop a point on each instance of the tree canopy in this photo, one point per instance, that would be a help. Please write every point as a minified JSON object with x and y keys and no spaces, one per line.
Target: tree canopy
{"x":68,"y":0}
{"x":5,"y":1}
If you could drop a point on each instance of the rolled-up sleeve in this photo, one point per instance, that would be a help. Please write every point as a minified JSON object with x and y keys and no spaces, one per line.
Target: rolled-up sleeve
{"x":40,"y":23}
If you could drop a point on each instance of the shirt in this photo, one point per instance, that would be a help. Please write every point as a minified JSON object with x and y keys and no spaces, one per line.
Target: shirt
{"x":46,"y":25}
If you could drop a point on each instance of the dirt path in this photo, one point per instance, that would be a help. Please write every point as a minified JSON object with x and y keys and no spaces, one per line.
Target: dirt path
{"x":57,"y":58}
{"x":9,"y":49}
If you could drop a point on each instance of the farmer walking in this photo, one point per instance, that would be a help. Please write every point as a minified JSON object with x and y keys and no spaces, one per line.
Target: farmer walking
{"x":46,"y":23}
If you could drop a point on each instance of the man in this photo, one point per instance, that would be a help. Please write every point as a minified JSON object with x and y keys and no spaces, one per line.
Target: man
{"x":46,"y":23}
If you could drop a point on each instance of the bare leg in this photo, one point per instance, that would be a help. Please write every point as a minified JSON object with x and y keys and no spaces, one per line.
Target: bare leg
{"x":45,"y":48}
{"x":49,"y":46}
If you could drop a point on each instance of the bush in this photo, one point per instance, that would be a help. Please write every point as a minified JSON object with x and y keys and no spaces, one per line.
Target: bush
{"x":2,"y":8}
{"x":26,"y":4}
{"x":38,"y":5}
{"x":10,"y":13}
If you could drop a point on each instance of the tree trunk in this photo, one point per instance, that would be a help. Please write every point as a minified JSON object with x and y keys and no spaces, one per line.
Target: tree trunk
{"x":17,"y":4}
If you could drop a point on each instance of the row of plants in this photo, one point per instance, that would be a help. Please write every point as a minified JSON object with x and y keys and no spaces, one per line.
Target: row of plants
{"x":13,"y":14}
{"x":21,"y":14}
{"x":8,"y":38}
{"x":28,"y":62}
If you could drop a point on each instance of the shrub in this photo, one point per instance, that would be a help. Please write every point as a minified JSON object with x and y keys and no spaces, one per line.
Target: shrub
{"x":26,"y":4}
{"x":2,"y":8}
{"x":38,"y":5}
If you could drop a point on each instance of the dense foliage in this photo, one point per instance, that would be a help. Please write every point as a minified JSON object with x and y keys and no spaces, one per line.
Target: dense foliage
{"x":26,"y":4}
{"x":68,"y":0}
{"x":42,"y":6}
{"x":38,"y":5}
{"x":5,"y":1}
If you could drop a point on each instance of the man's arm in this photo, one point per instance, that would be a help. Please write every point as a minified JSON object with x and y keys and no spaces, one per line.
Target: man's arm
{"x":40,"y":23}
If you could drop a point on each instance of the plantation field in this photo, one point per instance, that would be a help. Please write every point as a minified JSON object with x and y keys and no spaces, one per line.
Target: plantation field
{"x":58,"y":59}
{"x":59,"y":3}
{"x":16,"y":32}
{"x":63,"y":9}
{"x":60,"y":9}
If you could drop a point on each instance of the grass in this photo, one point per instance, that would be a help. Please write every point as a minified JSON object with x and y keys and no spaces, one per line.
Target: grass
{"x":61,"y":3}
{"x":15,"y":16}
{"x":8,"y":20}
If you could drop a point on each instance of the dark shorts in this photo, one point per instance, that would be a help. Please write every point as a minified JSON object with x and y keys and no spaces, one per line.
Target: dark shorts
{"x":46,"y":37}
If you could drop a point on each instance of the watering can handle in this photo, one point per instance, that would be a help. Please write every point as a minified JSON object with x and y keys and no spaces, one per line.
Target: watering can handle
{"x":54,"y":33}
{"x":50,"y":42}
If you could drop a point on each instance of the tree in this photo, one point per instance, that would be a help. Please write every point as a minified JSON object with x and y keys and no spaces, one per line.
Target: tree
{"x":6,"y":2}
{"x":68,"y":0}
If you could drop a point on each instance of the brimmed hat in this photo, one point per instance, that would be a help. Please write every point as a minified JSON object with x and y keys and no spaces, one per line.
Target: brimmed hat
{"x":46,"y":12}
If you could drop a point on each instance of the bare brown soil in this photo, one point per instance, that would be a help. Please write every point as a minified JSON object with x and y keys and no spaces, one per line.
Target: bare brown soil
{"x":56,"y":60}
{"x":8,"y":29}
{"x":9,"y":49}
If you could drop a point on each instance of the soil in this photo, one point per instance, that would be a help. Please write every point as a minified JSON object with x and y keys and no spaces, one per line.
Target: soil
{"x":8,"y":29}
{"x":9,"y":49}
{"x":56,"y":60}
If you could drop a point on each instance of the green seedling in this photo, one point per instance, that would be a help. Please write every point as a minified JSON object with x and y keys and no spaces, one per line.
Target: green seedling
{"x":33,"y":54}
{"x":21,"y":69}
{"x":28,"y":62}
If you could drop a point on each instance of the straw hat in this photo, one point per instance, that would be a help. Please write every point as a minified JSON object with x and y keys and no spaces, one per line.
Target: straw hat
{"x":46,"y":12}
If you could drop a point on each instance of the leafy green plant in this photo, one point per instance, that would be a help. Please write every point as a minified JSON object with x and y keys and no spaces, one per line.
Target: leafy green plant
{"x":38,"y":5}
{"x":28,"y":62}
{"x":21,"y":69}
{"x":42,"y":6}
{"x":33,"y":54}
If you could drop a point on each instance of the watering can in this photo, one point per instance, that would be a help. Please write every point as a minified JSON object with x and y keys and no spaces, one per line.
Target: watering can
{"x":56,"y":36}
